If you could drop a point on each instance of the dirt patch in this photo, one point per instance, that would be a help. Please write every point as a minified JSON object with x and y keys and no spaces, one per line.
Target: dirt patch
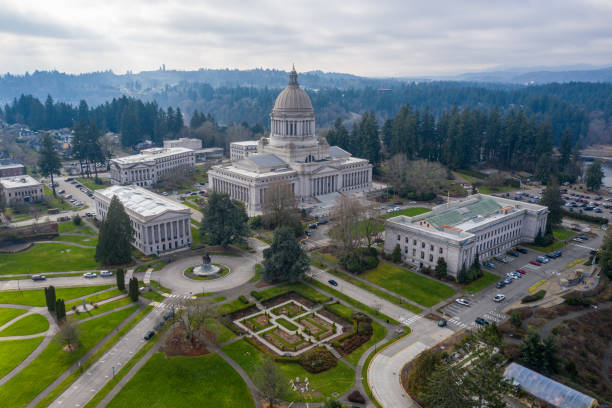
{"x":242,"y":313}
{"x":177,"y":344}
{"x":346,"y":325}
{"x":288,"y":296}
{"x":285,"y":341}
{"x":257,"y":323}
{"x":290,"y":310}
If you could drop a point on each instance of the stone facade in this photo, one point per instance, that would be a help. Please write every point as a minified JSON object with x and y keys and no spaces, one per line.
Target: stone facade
{"x":150,"y":165}
{"x":239,"y":150}
{"x":21,"y":189}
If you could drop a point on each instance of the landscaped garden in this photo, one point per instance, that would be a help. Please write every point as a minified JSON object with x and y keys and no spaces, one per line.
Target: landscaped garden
{"x":31,"y":324}
{"x":13,"y":352}
{"x":6,"y":314}
{"x":203,"y":381}
{"x":47,"y":257}
{"x":420,"y":289}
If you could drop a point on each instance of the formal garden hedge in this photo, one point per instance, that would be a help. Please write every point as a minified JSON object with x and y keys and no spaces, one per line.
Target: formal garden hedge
{"x":318,"y":360}
{"x":535,"y":297}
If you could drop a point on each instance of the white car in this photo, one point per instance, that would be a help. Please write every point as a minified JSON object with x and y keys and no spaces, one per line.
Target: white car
{"x":463,"y":301}
{"x":90,"y":275}
{"x":390,"y":210}
{"x":499,"y":297}
{"x":396,"y":209}
{"x":106,"y":273}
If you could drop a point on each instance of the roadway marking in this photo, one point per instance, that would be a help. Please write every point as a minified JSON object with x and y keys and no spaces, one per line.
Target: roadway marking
{"x":583,"y":246}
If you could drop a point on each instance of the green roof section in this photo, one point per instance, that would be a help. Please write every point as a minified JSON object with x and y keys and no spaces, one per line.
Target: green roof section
{"x":460,"y":214}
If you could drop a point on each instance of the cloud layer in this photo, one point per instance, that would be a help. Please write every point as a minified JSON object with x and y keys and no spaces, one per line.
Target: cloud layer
{"x":364,"y":37}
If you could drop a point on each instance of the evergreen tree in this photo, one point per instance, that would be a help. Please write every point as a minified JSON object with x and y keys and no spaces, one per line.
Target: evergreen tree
{"x":552,"y":199}
{"x":60,"y":310}
{"x":543,"y":169}
{"x":539,"y":356}
{"x":133,"y":290}
{"x":130,"y":127}
{"x":605,"y":254}
{"x":50,"y":298}
{"x":120,"y":275}
{"x":594,"y":176}
{"x":462,"y":276}
{"x":441,"y":269}
{"x":224,"y":220}
{"x":476,"y":263}
{"x":285,"y":259}
{"x":396,"y":255}
{"x":565,"y":149}
{"x":115,"y":238}
{"x":444,"y":388}
{"x":49,"y":161}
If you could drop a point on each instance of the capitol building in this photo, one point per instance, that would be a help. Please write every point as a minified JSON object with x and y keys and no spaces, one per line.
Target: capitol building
{"x":293,"y":156}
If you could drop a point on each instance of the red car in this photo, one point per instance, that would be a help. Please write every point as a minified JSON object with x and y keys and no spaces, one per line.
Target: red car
{"x":536,"y":263}
{"x":521,"y":271}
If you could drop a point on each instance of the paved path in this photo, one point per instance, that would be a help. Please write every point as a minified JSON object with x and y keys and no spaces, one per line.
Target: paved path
{"x":96,"y":376}
{"x":67,"y":243}
{"x":548,"y":326}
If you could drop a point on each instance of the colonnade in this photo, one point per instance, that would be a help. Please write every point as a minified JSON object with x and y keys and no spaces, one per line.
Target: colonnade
{"x":235,"y":191}
{"x":170,"y":234}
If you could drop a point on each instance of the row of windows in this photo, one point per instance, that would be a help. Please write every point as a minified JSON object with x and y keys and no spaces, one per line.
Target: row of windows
{"x":415,"y":244}
{"x":24,"y":193}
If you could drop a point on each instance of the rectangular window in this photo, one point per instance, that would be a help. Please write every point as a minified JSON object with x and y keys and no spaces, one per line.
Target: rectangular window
{"x":422,"y":255}
{"x":422,"y":245}
{"x":413,"y":252}
{"x":440,"y":250}
{"x":398,"y":237}
{"x":430,"y":258}
{"x":431,"y":247}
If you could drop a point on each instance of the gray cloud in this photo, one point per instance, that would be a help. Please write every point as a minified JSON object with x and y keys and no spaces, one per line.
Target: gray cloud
{"x":392,"y":37}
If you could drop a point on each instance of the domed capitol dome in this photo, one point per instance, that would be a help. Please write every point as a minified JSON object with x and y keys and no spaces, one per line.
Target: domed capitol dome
{"x":292,"y":99}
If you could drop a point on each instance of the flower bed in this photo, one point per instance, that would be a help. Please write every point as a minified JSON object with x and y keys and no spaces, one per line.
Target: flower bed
{"x":258,"y":323}
{"x":290,"y":310}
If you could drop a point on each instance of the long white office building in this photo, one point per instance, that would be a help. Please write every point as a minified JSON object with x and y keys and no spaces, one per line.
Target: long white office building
{"x":150,"y":165}
{"x":21,"y":189}
{"x":481,"y":224}
{"x":160,"y":224}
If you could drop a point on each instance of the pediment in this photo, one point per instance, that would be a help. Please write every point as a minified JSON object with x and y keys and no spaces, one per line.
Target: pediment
{"x":325,"y":170}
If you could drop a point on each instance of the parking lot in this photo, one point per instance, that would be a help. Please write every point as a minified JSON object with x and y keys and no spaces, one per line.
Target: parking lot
{"x":482,"y":304}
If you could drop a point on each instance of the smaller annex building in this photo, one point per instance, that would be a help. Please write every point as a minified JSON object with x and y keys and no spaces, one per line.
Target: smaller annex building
{"x":546,"y":389}
{"x":160,"y":224}
{"x":457,"y":231}
{"x":21,"y":189}
{"x":150,"y":165}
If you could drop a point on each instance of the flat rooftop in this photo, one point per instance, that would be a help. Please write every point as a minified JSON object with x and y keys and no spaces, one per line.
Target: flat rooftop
{"x":246,"y":143}
{"x":457,"y":216}
{"x":19,"y":181}
{"x":152,"y":154}
{"x":10,"y":166}
{"x":142,"y":201}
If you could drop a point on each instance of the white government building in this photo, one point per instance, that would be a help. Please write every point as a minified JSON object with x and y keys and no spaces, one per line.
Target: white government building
{"x":482,"y":224}
{"x":238,"y":150}
{"x":160,"y":224}
{"x":294,"y":155}
{"x":21,"y":189}
{"x":150,"y":165}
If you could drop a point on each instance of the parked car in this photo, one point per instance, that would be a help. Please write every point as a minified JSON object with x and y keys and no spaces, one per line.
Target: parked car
{"x":463,"y":302}
{"x":149,"y":335}
{"x":508,"y":281}
{"x":499,"y":297}
{"x":521,"y":271}
{"x":500,"y":284}
{"x":165,"y":194}
{"x":542,"y":259}
{"x":323,"y":222}
{"x":69,"y":179}
{"x":106,"y":273}
{"x":513,"y":253}
{"x":90,"y":275}
{"x":169,"y":315}
{"x":312,"y":226}
{"x":536,"y":263}
{"x":441,"y":322}
{"x":39,"y":277}
{"x":521,"y":250}
{"x":490,"y":265}
{"x":481,"y":321}
{"x":332,"y":282}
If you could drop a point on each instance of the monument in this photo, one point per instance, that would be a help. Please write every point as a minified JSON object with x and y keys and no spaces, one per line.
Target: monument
{"x":207,"y":268}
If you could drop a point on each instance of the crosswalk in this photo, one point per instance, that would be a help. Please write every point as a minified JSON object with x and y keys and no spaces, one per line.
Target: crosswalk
{"x":454,"y":321}
{"x":491,"y":316}
{"x":173,"y":301}
{"x":454,"y":309}
{"x":407,"y":321}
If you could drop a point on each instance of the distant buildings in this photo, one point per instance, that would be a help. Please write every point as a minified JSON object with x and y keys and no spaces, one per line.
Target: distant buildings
{"x":8,"y":169}
{"x":210,"y":153}
{"x":238,"y":150}
{"x":21,"y":189}
{"x":293,"y":156}
{"x":193,"y":144}
{"x":150,"y":165}
{"x":160,"y":224}
{"x":201,"y":155}
{"x":482,"y":224}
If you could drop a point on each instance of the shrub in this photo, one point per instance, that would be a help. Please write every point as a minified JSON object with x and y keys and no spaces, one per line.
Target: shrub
{"x":585,"y":217}
{"x":317,"y":361}
{"x":360,"y":260}
{"x":76,"y":220}
{"x":255,"y":222}
{"x":515,"y":319}
{"x":256,"y":294}
{"x":356,"y":397}
{"x":535,"y":297}
{"x":243,"y":299}
{"x":361,"y":317}
{"x":364,"y":329}
{"x":578,"y":301}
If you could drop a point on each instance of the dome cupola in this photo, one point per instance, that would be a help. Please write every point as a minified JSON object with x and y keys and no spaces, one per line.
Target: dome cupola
{"x":293,"y":99}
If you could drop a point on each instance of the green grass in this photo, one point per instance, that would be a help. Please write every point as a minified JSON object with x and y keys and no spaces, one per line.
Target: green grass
{"x":257,"y":275}
{"x":193,"y":205}
{"x":154,"y":296}
{"x":341,"y":310}
{"x":78,"y":239}
{"x":286,"y":324}
{"x":204,"y":381}
{"x":6,"y":315}
{"x":555,"y":246}
{"x":365,"y":308}
{"x":222,"y":333}
{"x":90,"y":183}
{"x":338,"y":379}
{"x":36,"y":297}
{"x":48,"y":258}
{"x":87,"y":230}
{"x":379,"y":333}
{"x":493,"y":190}
{"x":327,"y":258}
{"x":232,"y":306}
{"x":13,"y":352}
{"x":67,"y":226}
{"x":31,"y":324}
{"x":408,"y":212}
{"x":464,"y":177}
{"x":53,"y":361}
{"x":563,"y":233}
{"x":57,"y":391}
{"x":479,"y":284}
{"x":380,"y":293}
{"x":300,"y":288}
{"x":102,"y":309}
{"x":422,"y":290}
{"x":96,"y":298}
{"x":159,"y":287}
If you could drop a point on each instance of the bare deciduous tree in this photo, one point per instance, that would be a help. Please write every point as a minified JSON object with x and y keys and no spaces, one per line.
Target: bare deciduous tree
{"x":271,"y":382}
{"x":280,"y":206}
{"x":419,"y":178}
{"x":195,"y":318}
{"x":68,"y":335}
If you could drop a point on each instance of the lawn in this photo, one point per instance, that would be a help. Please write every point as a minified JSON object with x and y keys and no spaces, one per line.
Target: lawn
{"x":96,"y":298}
{"x":300,"y":288}
{"x":222,"y":333}
{"x":204,"y":381}
{"x":48,"y":258}
{"x":479,"y":284}
{"x":493,"y":190}
{"x":36,"y":297}
{"x":31,"y":324}
{"x":339,"y":309}
{"x":102,"y":309}
{"x":422,"y":290}
{"x":563,"y":233}
{"x":232,"y":306}
{"x":53,"y":361}
{"x":286,"y":324}
{"x":378,"y":292}
{"x":338,"y":379}
{"x":379,"y":333}
{"x":91,"y":184}
{"x":78,"y":239}
{"x":6,"y":315}
{"x":67,"y":226}
{"x":408,"y":212}
{"x":13,"y":352}
{"x":555,"y":246}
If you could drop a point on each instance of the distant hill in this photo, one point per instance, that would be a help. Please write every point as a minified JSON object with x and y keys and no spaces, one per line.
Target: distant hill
{"x":537,"y":77}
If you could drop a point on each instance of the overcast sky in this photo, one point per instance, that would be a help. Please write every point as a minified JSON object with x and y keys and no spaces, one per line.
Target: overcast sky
{"x":363,"y":37}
